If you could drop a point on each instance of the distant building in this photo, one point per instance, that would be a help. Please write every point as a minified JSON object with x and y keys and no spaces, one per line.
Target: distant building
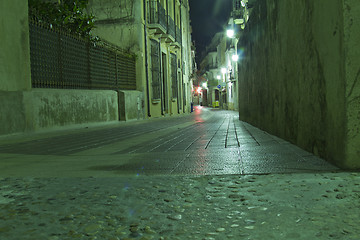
{"x":220,"y":65}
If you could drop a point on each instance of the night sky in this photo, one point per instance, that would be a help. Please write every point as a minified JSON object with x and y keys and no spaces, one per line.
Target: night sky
{"x":207,"y":18}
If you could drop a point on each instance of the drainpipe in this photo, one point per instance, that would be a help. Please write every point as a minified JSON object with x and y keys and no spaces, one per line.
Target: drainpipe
{"x":162,"y":88}
{"x":182,"y":61}
{"x":167,"y":9}
{"x":177,"y":72}
{"x":146,"y":63}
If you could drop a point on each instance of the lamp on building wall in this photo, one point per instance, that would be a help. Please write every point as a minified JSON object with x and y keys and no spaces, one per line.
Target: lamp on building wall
{"x":235,"y":57}
{"x":230,"y":33}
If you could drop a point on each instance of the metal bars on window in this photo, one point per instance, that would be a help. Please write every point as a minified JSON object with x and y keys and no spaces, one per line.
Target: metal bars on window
{"x":157,"y":14}
{"x":155,"y":70}
{"x":61,"y":60}
{"x":174,"y":82}
{"x":171,"y":27}
{"x":178,"y":35}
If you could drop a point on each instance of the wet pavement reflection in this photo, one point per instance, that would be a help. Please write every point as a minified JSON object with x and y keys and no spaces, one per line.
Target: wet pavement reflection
{"x":206,"y":142}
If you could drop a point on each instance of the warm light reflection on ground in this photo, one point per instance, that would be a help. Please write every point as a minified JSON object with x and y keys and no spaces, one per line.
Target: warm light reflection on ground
{"x":197,"y":112}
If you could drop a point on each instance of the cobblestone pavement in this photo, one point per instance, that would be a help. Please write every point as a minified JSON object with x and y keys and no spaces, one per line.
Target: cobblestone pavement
{"x":200,"y":176}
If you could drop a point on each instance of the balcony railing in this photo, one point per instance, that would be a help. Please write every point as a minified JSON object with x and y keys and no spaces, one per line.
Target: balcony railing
{"x":157,"y":14}
{"x":178,"y":35}
{"x":171,"y":27}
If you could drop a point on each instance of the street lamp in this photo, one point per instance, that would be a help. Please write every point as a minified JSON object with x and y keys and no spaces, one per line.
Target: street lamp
{"x":223,"y":70}
{"x":230,"y":33}
{"x":235,"y":57}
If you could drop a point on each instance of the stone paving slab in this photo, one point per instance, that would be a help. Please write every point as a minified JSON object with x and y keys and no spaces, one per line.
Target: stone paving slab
{"x":218,"y":144}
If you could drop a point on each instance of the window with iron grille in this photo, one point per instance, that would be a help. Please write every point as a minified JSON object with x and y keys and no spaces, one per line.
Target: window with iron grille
{"x":155,"y":70}
{"x":174,"y":86}
{"x":237,"y":4}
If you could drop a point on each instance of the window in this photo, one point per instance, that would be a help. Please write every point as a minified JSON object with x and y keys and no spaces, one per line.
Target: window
{"x":237,"y":4}
{"x":174,"y":87}
{"x":155,"y":70}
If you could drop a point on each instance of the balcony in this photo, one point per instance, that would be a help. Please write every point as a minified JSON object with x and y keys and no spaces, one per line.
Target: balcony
{"x":171,"y":28}
{"x":178,"y":35}
{"x":157,"y":17}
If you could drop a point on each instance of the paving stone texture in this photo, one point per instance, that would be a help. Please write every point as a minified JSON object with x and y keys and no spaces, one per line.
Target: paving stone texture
{"x":202,"y":176}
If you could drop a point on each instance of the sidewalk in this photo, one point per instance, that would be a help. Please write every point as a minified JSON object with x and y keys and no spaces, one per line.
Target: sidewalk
{"x":207,"y":142}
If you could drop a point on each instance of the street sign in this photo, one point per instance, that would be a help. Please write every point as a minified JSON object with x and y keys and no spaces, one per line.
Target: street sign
{"x":218,"y":86}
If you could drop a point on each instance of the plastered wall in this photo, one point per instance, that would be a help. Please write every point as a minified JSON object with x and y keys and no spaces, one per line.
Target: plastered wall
{"x":352,"y":76}
{"x":300,"y":64}
{"x":14,"y":46}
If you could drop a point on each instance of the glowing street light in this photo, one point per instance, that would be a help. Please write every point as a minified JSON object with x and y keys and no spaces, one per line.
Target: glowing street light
{"x":223,"y":70}
{"x":230,"y":33}
{"x":218,"y":77}
{"x":235,"y":57}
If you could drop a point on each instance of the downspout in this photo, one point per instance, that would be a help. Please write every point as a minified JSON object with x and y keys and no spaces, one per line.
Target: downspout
{"x":162,"y":88}
{"x":177,"y":72}
{"x":167,"y":12}
{"x":182,"y":60}
{"x":146,"y":62}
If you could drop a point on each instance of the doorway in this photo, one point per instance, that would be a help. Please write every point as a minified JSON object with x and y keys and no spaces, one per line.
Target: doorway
{"x":204,"y":98}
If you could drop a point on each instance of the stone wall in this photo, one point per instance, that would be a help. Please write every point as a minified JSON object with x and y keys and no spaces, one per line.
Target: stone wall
{"x":294,"y":75}
{"x":52,"y":108}
{"x":12,"y":112}
{"x":131,"y":105}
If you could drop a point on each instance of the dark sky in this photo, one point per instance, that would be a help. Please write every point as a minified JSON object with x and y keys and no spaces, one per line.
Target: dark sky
{"x":207,"y":18}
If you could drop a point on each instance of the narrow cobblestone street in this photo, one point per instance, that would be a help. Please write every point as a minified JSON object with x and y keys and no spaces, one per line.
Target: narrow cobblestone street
{"x":206,"y":175}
